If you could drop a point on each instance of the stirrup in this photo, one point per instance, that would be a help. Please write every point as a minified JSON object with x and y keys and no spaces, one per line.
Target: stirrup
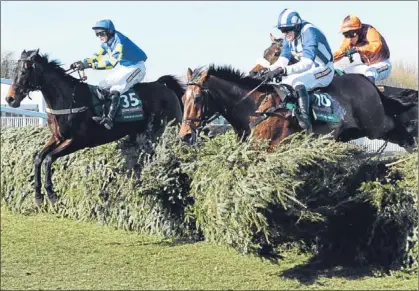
{"x":303,"y":125}
{"x":108,"y":124}
{"x":302,"y":121}
{"x":97,"y":119}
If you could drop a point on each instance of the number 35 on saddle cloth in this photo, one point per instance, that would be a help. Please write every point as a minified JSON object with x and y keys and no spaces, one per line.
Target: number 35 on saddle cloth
{"x":130,"y":106}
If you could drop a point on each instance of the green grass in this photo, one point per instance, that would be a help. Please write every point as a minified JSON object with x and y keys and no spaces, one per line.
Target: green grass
{"x":46,"y":252}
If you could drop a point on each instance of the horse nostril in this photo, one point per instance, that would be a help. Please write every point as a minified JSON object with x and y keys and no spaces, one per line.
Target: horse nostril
{"x":9,"y":99}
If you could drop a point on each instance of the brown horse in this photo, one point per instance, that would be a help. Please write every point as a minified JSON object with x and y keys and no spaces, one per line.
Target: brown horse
{"x":266,"y":111}
{"x":71,"y":104}
{"x":271,"y":55}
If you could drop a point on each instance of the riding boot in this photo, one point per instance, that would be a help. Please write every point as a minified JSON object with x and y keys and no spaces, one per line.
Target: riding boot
{"x":108,"y":121}
{"x":304,"y":107}
{"x":99,"y":119}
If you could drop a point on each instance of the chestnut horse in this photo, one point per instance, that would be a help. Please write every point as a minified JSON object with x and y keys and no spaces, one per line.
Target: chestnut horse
{"x":266,"y":112}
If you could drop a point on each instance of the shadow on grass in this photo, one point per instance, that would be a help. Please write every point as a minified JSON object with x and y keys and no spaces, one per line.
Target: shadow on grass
{"x":310,"y":272}
{"x":163,"y":243}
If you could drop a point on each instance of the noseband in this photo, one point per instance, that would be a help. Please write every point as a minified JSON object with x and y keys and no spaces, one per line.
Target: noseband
{"x":30,"y":87}
{"x":204,"y":102}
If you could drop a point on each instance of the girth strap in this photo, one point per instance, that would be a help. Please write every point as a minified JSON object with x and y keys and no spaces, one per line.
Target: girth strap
{"x":65,"y":111}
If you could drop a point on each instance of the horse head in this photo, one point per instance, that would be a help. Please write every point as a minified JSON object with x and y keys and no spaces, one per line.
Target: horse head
{"x":271,"y":54}
{"x":198,"y":105}
{"x":239,"y":99}
{"x":26,"y":78}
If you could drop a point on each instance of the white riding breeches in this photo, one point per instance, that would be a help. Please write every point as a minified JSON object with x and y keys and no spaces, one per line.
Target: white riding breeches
{"x":124,"y":77}
{"x":379,"y":71}
{"x":315,"y":77}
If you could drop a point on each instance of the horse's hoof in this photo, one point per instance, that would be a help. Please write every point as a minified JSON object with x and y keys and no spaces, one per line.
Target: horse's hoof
{"x":53,"y":199}
{"x":39,"y":201}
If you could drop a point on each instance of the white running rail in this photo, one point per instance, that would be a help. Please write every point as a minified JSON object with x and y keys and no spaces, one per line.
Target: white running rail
{"x":29,"y":118}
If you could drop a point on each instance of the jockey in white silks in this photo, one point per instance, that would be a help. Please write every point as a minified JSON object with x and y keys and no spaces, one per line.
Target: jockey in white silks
{"x":315,"y":67}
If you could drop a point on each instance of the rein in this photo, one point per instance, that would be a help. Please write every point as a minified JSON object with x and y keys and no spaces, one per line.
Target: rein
{"x":262,"y":115}
{"x":203,"y":120}
{"x":251,"y":92}
{"x":29,"y":63}
{"x":82,"y":78}
{"x":71,"y":110}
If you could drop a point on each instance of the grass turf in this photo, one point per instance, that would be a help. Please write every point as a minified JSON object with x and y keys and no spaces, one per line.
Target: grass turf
{"x":45,"y":252}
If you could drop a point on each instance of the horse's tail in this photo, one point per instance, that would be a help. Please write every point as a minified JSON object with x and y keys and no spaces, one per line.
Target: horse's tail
{"x":397,"y":104}
{"x":391,"y":103}
{"x":406,"y":96}
{"x":173,"y":84}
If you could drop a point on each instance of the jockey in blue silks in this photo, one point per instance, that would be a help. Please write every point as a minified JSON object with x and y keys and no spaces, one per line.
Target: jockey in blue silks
{"x":122,"y":52}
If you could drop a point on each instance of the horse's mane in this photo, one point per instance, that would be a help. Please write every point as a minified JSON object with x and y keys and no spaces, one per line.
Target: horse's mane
{"x":54,"y":65}
{"x":228,"y":73}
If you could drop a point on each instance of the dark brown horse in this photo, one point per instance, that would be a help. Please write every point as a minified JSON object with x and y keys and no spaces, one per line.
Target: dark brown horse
{"x":408,"y":116}
{"x":266,"y":112}
{"x":70,"y":104}
{"x":272,"y":53}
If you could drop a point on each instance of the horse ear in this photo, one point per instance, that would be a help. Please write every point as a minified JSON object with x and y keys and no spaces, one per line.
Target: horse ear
{"x":189,"y":74}
{"x":33,"y":54}
{"x":273,"y":39}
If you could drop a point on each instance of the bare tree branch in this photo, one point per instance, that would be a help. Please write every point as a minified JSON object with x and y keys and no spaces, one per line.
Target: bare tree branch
{"x":8,"y":64}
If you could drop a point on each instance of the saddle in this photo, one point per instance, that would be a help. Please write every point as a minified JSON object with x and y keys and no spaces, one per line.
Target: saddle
{"x":323,"y":107}
{"x":130,"y":107}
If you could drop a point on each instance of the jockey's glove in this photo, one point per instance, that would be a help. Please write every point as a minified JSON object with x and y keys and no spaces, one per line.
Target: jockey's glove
{"x":350,"y":51}
{"x":79,"y":65}
{"x":275,"y":73}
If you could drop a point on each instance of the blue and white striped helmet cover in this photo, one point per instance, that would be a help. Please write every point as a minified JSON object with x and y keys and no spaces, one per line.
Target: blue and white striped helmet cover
{"x":288,"y":18}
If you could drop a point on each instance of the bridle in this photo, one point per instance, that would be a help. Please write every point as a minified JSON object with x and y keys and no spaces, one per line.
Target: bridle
{"x":205,"y":118}
{"x":203,"y":100}
{"x":30,"y":86}
{"x":28,"y":64}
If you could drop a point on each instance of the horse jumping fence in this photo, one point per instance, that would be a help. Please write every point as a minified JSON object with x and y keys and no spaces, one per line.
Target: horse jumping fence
{"x":39,"y":118}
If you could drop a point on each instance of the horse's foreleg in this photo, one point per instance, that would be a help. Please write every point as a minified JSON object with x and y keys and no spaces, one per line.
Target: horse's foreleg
{"x":51,"y":144}
{"x":65,"y":148}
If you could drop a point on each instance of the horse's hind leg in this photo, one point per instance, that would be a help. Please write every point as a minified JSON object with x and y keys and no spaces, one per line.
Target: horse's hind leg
{"x":65,"y":148}
{"x":51,"y":144}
